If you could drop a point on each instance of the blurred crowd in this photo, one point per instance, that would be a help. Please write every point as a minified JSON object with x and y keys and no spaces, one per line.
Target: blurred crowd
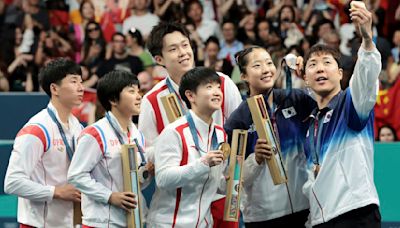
{"x":102,"y":35}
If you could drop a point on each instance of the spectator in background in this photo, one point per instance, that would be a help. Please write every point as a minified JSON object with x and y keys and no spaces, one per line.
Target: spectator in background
{"x":86,"y":12}
{"x":120,"y":59}
{"x":273,"y":13}
{"x":205,"y":28}
{"x":140,"y":18}
{"x":196,"y":41}
{"x":304,"y":45}
{"x":146,"y":82}
{"x":386,"y":133}
{"x":267,"y":36}
{"x":378,"y":15}
{"x":332,"y":39}
{"x":211,"y":9}
{"x":288,"y":29}
{"x":17,"y":56}
{"x":169,"y":10}
{"x":320,"y":9}
{"x":135,"y":43}
{"x":15,"y":14}
{"x":233,"y":10}
{"x":94,"y":46}
{"x":51,"y":46}
{"x":393,"y":68}
{"x":321,"y":27}
{"x":247,"y":29}
{"x":211,"y":57}
{"x":230,"y":45}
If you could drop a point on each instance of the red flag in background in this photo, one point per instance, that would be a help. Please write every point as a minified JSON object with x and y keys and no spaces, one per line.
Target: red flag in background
{"x":387,"y":108}
{"x":86,"y":111}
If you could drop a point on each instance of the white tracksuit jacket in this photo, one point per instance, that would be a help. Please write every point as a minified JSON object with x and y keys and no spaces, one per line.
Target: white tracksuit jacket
{"x":346,"y":154}
{"x":185,"y":185}
{"x":96,"y":170}
{"x":153,"y":118}
{"x":38,"y":163}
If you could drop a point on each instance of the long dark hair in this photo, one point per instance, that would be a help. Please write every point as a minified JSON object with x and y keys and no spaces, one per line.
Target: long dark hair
{"x":391,"y":129}
{"x":87,"y":42}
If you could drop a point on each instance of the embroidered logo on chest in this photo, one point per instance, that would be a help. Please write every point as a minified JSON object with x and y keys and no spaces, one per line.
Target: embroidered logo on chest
{"x":114,"y":142}
{"x":252,"y":128}
{"x":58,"y":145}
{"x":289,"y":112}
{"x":328,"y":116}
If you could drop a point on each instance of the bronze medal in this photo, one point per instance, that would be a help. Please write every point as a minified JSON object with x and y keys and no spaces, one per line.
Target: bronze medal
{"x":316,"y":170}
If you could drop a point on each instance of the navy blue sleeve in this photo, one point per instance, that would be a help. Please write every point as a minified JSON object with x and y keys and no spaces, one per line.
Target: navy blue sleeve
{"x":353,"y":119}
{"x":236,"y":120}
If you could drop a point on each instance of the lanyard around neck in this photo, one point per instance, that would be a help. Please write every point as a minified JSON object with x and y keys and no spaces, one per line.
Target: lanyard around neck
{"x":314,"y":134}
{"x":121,"y":141}
{"x":172,"y":90}
{"x":114,"y":127}
{"x":140,"y":149}
{"x":193,"y":131}
{"x":70,"y":151}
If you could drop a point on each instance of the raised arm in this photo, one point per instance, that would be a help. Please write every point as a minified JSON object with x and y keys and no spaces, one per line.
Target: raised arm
{"x":364,"y":82}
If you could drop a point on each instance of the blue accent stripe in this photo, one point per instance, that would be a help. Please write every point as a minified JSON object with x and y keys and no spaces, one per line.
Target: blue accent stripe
{"x":141,"y":134}
{"x":102,"y":137}
{"x":46,"y":133}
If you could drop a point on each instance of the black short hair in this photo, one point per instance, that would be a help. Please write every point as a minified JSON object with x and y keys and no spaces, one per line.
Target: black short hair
{"x":111,"y":85}
{"x":319,"y":23}
{"x":321,"y":49}
{"x":155,"y":39}
{"x":135,"y":33}
{"x":195,"y":77}
{"x":212,"y":39}
{"x":229,"y":21}
{"x":57,"y":70}
{"x":118,"y":34}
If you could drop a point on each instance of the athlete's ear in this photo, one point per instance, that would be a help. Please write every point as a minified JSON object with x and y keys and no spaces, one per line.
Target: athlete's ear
{"x":113,"y":103}
{"x":54,"y":89}
{"x":159,"y":60}
{"x":190,"y":96}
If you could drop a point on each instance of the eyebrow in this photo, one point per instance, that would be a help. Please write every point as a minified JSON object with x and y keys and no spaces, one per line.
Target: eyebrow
{"x":74,"y":76}
{"x":177,"y":43}
{"x":261,"y":60}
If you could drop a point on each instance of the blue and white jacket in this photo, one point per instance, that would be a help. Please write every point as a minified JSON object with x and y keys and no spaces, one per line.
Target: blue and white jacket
{"x":344,"y":143}
{"x":261,"y":200}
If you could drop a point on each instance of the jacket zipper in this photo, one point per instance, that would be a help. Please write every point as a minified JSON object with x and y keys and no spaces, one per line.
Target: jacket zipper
{"x":319,"y":205}
{"x":201,"y":196}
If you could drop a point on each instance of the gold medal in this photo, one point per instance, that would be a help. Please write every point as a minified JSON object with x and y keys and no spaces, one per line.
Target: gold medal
{"x":226,"y":149}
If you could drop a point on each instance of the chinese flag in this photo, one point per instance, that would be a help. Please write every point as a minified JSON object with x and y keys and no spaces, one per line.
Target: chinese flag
{"x":387,"y":108}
